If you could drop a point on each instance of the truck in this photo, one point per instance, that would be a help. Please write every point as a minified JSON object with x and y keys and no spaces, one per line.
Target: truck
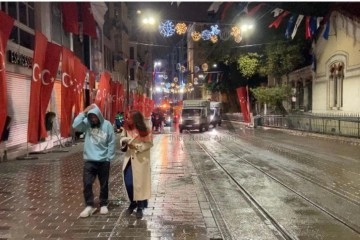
{"x":195,"y":115}
{"x":216,"y":111}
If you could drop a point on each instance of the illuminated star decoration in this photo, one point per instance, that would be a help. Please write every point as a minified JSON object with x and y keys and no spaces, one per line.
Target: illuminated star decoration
{"x":235,"y":31}
{"x":215,"y":30}
{"x":167,"y":28}
{"x":181,"y":28}
{"x":206,"y":34}
{"x":196,"y":36}
{"x":214,"y":38}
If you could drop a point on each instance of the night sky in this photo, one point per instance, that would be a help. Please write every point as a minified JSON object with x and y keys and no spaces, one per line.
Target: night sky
{"x":198,"y":12}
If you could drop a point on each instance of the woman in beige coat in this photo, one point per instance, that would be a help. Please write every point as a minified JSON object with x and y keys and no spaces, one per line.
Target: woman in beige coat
{"x":136,"y":141}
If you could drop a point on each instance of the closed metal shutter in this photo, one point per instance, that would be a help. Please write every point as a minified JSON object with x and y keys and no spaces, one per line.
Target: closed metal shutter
{"x":18,"y":97}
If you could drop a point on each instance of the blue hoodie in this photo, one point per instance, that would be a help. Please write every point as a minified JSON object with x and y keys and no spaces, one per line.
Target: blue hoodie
{"x":99,"y":142}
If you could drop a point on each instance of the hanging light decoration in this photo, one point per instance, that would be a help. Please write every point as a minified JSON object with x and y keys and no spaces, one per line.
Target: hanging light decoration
{"x":176,"y":79}
{"x":225,"y":34}
{"x":215,"y":30}
{"x":196,"y":81}
{"x":196,"y":69}
{"x":204,"y":67}
{"x":181,"y":28}
{"x":214,"y":38}
{"x":167,"y":28}
{"x":196,"y":36}
{"x":235,"y":31}
{"x":206,"y":35}
{"x":183,"y":69}
{"x":238,"y":39}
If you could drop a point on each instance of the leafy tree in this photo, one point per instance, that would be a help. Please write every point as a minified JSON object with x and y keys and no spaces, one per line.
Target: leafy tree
{"x":249,"y":64}
{"x":281,"y":58}
{"x":272,"y":96}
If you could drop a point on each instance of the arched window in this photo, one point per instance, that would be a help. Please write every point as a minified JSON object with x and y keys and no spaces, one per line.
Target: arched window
{"x":336,"y":78}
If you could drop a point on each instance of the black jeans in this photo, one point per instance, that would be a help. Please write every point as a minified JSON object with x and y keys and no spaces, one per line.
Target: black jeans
{"x":93,"y":169}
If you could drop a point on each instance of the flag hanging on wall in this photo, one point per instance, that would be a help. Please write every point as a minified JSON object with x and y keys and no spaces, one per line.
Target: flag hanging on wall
{"x":52,"y":59}
{"x":35,"y":89}
{"x":6,"y":25}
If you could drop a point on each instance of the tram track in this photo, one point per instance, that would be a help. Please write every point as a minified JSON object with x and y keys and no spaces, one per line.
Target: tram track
{"x":293,"y":154}
{"x":278,"y":231}
{"x":263,"y":211}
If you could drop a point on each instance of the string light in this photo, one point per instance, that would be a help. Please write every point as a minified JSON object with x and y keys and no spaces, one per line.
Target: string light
{"x":181,"y":28}
{"x":196,"y":36}
{"x":235,"y":31}
{"x":167,"y":28}
{"x":213,"y":38}
{"x":215,"y":30}
{"x":206,"y":35}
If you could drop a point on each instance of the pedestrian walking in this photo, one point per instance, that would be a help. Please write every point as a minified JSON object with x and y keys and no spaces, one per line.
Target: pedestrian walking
{"x":136,"y":141}
{"x":99,"y":150}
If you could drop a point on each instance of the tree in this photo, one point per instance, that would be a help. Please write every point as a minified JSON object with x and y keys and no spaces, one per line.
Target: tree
{"x":249,"y":64}
{"x":281,"y":58}
{"x":272,"y":96}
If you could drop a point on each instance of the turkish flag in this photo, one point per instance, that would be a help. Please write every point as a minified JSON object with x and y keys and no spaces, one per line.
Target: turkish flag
{"x":80,"y":75}
{"x":103,"y":91}
{"x":87,"y":17}
{"x":114,"y":88}
{"x":67,"y":91}
{"x":6,"y":25}
{"x":34,"y":107}
{"x":91,"y":85}
{"x":52,"y":59}
{"x":70,"y":19}
{"x":120,"y":97}
{"x":243,"y":100}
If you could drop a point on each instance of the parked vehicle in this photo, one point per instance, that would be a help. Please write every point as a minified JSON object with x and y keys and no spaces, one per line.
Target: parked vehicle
{"x":215,"y":109}
{"x":195,"y":114}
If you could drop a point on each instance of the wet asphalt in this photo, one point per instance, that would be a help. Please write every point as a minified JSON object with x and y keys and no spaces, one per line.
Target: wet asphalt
{"x":231,"y":182}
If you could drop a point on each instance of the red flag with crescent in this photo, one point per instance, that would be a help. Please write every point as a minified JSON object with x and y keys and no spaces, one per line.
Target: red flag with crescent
{"x":92,"y":85}
{"x":80,"y":75}
{"x":34,"y":105}
{"x":103,"y":91}
{"x":70,"y":19}
{"x":113,"y":99}
{"x":6,"y":25}
{"x":48,"y":75}
{"x":89,"y":25}
{"x":67,"y":91}
{"x":243,"y":100}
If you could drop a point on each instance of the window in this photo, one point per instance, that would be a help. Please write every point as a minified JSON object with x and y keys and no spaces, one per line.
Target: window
{"x":108,"y":59}
{"x":58,"y":34}
{"x":23,"y":31}
{"x":336,"y":85}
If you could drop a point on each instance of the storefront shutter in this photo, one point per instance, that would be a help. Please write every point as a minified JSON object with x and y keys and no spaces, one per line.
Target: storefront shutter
{"x":18,"y":97}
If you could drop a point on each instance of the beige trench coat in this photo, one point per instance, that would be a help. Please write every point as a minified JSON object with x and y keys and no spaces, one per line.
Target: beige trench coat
{"x":140,"y":162}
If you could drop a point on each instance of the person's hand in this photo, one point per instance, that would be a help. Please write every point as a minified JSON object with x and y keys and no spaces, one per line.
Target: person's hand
{"x":131,"y":146}
{"x":88,"y":108}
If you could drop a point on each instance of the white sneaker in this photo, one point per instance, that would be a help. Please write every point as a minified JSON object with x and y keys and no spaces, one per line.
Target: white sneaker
{"x":104,"y":210}
{"x":88,"y":211}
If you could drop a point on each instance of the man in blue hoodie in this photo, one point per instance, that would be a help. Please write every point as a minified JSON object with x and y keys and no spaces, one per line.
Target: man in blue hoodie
{"x":99,"y":150}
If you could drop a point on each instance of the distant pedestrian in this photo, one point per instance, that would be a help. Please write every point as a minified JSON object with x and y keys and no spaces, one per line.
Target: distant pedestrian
{"x":99,"y":150}
{"x":136,"y":141}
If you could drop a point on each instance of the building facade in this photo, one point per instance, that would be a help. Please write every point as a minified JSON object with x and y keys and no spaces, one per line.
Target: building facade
{"x":109,"y":52}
